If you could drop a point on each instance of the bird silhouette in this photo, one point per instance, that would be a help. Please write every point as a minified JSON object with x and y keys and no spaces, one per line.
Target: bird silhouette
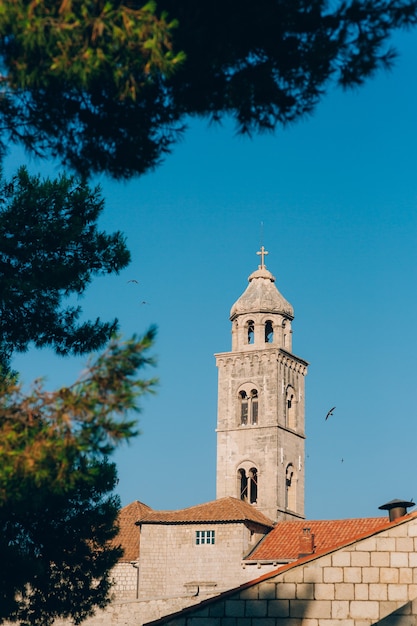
{"x":133,"y":281}
{"x":329,"y":413}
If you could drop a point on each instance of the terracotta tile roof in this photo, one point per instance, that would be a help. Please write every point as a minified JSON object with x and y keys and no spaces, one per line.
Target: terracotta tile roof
{"x":283,"y":542}
{"x":218,"y":511}
{"x":129,"y":534}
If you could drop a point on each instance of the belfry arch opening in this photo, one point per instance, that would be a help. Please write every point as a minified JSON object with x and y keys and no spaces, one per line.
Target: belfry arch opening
{"x":250,"y":332}
{"x":269,"y":332}
{"x":284,"y":334}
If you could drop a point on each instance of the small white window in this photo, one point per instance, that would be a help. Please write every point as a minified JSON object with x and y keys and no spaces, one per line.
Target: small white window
{"x":204,"y":536}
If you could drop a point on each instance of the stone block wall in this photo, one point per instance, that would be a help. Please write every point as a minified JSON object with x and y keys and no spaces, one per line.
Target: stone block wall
{"x":173,"y":565}
{"x":370,"y":581}
{"x":270,"y":445}
{"x":125,"y":577}
{"x":132,"y":612}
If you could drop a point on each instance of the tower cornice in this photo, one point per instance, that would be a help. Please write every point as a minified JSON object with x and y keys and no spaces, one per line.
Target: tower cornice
{"x":284,"y":354}
{"x":277,"y":354}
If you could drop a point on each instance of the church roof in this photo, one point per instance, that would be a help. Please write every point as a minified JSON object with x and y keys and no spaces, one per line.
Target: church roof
{"x":129,"y":534}
{"x":261,"y":295}
{"x":219,"y":511}
{"x":283,"y":542}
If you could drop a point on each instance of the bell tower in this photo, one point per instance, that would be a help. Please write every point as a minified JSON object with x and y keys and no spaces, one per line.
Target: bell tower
{"x":260,"y":415}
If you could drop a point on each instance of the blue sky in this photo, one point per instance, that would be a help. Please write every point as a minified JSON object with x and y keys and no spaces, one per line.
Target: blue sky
{"x":337,"y":196}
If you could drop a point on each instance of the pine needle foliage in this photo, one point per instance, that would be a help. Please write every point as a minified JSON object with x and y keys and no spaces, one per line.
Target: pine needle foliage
{"x":108,"y":85}
{"x":51,"y":248}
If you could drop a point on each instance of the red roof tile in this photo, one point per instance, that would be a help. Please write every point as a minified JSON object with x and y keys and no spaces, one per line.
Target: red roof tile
{"x":283,"y":542}
{"x":129,"y":534}
{"x":218,"y":511}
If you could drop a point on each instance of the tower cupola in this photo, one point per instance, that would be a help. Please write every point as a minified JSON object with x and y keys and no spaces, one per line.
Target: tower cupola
{"x":261,"y":315}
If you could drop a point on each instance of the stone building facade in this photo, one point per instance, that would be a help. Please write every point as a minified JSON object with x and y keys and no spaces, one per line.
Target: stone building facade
{"x":182,"y":553}
{"x":369,"y":580}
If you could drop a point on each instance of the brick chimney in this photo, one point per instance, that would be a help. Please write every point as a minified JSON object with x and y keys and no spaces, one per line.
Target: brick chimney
{"x":306,"y":543}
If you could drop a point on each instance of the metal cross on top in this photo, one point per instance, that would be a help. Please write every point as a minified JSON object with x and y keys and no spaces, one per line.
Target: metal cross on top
{"x":262,"y":253}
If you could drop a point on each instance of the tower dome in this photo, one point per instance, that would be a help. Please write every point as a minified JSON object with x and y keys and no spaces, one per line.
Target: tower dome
{"x":261,"y":315}
{"x":261,"y":295}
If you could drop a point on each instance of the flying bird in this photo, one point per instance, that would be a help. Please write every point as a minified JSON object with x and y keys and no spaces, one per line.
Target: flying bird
{"x":330,"y":412}
{"x":133,"y":281}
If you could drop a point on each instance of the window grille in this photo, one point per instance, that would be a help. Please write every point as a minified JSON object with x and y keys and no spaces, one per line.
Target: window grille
{"x":204,"y":536}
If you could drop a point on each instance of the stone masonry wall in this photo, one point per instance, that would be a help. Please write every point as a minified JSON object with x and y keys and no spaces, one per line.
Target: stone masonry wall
{"x":172,"y":565}
{"x":125,"y":577}
{"x":268,"y":444}
{"x":371,"y":580}
{"x":209,"y":562}
{"x":132,"y":612}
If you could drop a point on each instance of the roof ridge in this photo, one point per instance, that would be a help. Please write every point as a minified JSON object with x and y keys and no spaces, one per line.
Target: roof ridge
{"x":221,"y":510}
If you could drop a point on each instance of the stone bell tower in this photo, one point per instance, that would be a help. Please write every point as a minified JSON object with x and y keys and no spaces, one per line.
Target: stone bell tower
{"x":260,"y":417}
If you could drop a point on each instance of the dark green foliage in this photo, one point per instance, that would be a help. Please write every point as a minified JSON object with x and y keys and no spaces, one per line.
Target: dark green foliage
{"x":271,"y":62}
{"x":56,"y":550}
{"x":51,"y":248}
{"x":94,"y":71}
{"x":263,"y":63}
{"x":58,"y":517}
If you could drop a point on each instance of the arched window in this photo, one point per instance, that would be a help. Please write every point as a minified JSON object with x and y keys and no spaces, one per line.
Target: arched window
{"x":244,"y":407}
{"x":248,"y":405}
{"x":290,"y":408}
{"x":250,"y":328}
{"x":284,"y":334}
{"x":254,"y":406}
{"x":248,"y":484}
{"x":253,"y":485}
{"x":290,"y":494}
{"x":243,"y":485}
{"x":269,"y":332}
